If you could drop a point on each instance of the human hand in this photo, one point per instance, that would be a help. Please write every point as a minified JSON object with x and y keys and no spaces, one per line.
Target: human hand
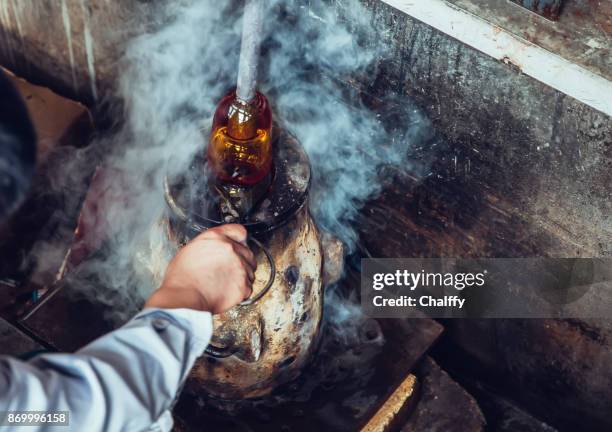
{"x":214,"y":272}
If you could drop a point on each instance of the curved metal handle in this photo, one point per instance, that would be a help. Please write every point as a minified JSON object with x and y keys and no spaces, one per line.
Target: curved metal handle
{"x":219,"y":352}
{"x":225,"y":352}
{"x":263,"y":292}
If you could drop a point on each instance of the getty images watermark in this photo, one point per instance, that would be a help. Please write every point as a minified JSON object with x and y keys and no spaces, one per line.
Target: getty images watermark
{"x":487,"y":288}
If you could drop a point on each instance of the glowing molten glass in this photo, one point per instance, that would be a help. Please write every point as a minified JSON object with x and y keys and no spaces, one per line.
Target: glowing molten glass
{"x":240,"y":148}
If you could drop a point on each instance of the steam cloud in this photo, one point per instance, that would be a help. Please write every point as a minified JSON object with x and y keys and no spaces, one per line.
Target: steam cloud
{"x":173,"y":77}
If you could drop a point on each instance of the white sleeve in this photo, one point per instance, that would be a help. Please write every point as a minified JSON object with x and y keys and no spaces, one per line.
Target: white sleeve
{"x":127,"y":380}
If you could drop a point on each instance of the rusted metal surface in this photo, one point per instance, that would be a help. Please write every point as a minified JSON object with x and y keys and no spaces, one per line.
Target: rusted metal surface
{"x":347,"y":382}
{"x":547,"y":8}
{"x":275,"y":336}
{"x":259,"y":346}
{"x":333,"y":258}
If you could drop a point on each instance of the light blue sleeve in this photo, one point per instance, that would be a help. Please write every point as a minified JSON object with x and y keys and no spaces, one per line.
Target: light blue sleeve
{"x":127,"y":380}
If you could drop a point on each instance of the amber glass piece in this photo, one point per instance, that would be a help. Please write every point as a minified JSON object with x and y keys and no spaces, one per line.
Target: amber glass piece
{"x":240,"y":148}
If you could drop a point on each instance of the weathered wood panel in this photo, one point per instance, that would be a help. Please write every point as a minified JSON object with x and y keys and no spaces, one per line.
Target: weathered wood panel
{"x":525,"y":172}
{"x":72,"y":46}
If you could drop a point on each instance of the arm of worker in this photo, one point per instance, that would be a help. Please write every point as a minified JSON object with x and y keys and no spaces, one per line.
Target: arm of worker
{"x":129,"y":379}
{"x":124,"y":381}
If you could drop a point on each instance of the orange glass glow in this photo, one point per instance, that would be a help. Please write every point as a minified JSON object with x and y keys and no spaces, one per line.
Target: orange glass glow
{"x":240,"y":148}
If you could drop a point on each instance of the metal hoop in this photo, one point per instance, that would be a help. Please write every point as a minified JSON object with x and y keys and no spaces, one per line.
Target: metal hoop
{"x":228,"y":351}
{"x":270,"y":282}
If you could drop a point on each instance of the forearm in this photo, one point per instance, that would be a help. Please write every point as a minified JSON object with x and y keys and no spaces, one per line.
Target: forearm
{"x":125,"y":380}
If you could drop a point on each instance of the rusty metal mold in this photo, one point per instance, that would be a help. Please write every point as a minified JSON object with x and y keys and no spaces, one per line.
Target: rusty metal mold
{"x":260,"y":344}
{"x":274,"y":337}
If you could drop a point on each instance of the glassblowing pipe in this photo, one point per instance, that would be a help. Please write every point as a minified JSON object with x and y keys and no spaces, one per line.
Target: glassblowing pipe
{"x":240,"y":148}
{"x":252,"y":23}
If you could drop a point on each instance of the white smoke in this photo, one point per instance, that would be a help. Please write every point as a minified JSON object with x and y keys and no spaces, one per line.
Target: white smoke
{"x":173,"y":76}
